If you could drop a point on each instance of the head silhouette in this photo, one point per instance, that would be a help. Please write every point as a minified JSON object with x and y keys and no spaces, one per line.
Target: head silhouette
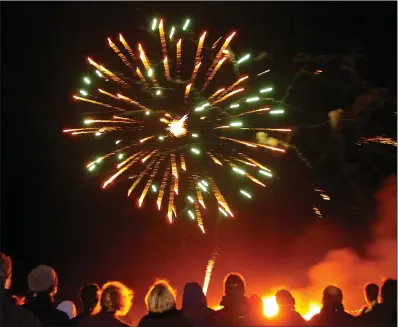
{"x":285,"y":299}
{"x":371,"y":292}
{"x":234,"y":285}
{"x":117,"y":298}
{"x":193,"y":296}
{"x":256,"y":305}
{"x":332,"y":295}
{"x":90,"y":296}
{"x":389,"y":292}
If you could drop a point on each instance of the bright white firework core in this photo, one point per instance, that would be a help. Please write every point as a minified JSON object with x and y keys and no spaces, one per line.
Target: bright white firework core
{"x":178,"y":127}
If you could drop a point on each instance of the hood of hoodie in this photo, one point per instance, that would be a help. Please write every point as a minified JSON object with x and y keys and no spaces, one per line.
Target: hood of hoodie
{"x":193,"y":296}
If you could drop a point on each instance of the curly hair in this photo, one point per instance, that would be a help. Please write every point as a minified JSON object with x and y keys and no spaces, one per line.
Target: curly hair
{"x":116,"y":297}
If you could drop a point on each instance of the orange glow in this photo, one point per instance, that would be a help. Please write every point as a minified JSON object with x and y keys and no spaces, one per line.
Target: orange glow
{"x":217,"y":307}
{"x":315,"y":308}
{"x":270,"y":307}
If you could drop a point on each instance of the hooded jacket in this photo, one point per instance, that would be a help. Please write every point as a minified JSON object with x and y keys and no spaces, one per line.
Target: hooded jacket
{"x":194,"y":305}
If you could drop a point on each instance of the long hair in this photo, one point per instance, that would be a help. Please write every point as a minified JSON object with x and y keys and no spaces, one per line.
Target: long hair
{"x":161,"y":297}
{"x":116,"y":297}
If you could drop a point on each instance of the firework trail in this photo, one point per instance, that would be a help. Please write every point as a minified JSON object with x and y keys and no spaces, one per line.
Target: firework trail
{"x":209,"y":269}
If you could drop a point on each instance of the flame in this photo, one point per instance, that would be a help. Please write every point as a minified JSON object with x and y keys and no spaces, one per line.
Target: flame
{"x":178,"y":127}
{"x":315,"y":308}
{"x":270,"y":307}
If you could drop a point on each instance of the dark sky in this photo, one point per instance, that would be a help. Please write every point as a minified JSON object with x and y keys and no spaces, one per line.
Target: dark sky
{"x":53,"y":213}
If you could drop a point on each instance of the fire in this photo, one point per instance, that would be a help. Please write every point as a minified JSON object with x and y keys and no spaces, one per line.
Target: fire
{"x":217,"y":307}
{"x":314,"y":309}
{"x":178,"y":127}
{"x":270,"y":307}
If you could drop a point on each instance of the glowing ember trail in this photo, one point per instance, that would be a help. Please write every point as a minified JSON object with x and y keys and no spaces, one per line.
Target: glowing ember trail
{"x":187,"y":90}
{"x":107,"y":72}
{"x":98,"y":103}
{"x":178,"y":58}
{"x":162,"y":188}
{"x":166,"y":68}
{"x":209,"y":270}
{"x":200,"y":46}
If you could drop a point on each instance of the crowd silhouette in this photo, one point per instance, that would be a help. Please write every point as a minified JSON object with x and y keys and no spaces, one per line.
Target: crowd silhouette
{"x":105,"y":306}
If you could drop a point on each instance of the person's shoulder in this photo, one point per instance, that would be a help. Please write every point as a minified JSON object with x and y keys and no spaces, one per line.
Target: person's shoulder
{"x":60,"y":314}
{"x":26,"y":316}
{"x":144,"y":321}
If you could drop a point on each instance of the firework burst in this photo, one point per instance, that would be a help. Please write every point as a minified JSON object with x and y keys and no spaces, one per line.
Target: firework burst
{"x":180,"y":120}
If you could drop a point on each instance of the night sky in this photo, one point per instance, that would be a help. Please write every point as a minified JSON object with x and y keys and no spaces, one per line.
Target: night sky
{"x":54,"y":213}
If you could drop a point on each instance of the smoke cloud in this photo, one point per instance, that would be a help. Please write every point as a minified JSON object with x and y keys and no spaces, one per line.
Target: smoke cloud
{"x":347,"y":270}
